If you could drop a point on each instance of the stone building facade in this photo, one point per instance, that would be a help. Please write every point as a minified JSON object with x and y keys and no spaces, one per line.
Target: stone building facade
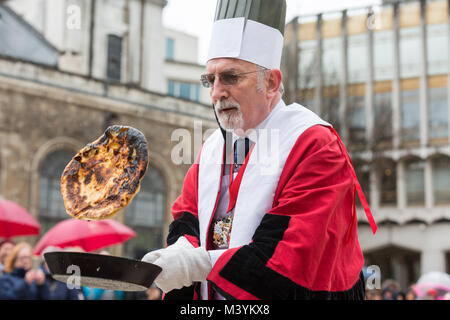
{"x":48,"y":112}
{"x":39,"y":116}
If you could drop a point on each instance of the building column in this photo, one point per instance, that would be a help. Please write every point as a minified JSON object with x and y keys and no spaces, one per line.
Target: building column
{"x":370,"y":114}
{"x":401,"y":185}
{"x":153,"y":47}
{"x":136,"y":10}
{"x":318,"y":76}
{"x":423,"y":76}
{"x":428,"y":178}
{"x":374,"y":189}
{"x":432,"y":260}
{"x":343,"y":98}
{"x":396,"y":88}
{"x":92,"y":18}
{"x":292,"y":63}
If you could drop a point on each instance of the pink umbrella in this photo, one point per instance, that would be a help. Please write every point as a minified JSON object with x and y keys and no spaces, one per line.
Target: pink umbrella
{"x":439,"y":282}
{"x":16,"y":221}
{"x":89,"y":235}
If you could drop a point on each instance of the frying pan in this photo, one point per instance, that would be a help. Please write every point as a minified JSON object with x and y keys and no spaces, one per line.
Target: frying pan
{"x":102,"y":271}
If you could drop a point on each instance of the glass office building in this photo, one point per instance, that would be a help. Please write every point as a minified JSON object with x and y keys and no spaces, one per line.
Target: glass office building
{"x":380,"y":76}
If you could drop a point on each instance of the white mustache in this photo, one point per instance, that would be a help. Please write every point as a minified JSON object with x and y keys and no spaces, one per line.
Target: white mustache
{"x":222,"y":105}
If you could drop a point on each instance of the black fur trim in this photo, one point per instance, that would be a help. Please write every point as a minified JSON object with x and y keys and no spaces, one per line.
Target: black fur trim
{"x":247,"y":269}
{"x":186,"y":224}
{"x":185,"y":293}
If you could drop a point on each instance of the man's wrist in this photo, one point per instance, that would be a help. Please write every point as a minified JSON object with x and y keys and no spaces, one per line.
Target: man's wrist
{"x":215,"y":255}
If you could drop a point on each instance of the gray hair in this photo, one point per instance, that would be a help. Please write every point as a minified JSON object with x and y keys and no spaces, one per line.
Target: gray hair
{"x":261,"y":77}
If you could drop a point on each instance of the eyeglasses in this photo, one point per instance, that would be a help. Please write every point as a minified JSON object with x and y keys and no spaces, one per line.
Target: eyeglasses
{"x":227,"y":78}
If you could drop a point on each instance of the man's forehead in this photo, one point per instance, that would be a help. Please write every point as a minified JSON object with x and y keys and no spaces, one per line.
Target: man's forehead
{"x":226,"y":64}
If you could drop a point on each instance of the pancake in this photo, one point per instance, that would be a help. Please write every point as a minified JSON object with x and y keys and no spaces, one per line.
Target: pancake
{"x":105,"y":175}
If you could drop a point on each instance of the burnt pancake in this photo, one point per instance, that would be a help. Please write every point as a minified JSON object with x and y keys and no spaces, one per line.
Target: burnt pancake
{"x":105,"y":175}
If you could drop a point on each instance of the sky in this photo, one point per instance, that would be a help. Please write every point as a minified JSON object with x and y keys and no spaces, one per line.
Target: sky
{"x":196,"y":17}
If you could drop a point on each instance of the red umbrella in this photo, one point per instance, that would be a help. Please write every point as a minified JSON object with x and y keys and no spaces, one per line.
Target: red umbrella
{"x":89,"y":235}
{"x":16,"y":221}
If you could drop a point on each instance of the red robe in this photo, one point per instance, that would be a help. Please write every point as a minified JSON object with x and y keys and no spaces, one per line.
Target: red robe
{"x":306,"y":246}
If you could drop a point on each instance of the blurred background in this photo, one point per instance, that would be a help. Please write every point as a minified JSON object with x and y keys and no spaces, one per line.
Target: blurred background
{"x":376,"y":70}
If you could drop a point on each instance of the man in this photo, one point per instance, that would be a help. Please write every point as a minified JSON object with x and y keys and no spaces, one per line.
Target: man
{"x":268,"y":209}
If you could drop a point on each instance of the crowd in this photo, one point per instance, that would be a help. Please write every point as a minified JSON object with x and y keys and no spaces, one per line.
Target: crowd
{"x":26,"y":277}
{"x":390,"y":293}
{"x":390,"y":290}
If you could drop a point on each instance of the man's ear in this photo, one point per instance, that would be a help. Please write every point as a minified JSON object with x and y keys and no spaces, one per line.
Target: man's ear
{"x":274,"y":80}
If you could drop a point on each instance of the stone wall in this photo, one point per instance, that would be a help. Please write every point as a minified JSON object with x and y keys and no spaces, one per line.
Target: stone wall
{"x":42,"y":110}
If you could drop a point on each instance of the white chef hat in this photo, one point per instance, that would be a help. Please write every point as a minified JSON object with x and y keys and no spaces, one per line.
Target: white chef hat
{"x":250,"y":30}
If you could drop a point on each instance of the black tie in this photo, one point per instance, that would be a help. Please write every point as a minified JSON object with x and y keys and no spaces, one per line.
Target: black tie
{"x":241,"y":148}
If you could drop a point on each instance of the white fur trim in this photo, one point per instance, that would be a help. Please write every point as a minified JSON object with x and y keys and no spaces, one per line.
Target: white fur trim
{"x":273,"y":145}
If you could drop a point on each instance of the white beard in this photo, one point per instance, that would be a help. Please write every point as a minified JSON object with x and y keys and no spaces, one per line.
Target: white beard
{"x":231,"y":120}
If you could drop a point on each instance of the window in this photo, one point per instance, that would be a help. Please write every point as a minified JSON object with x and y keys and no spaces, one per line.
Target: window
{"x":330,"y":106}
{"x":415,"y":182}
{"x":308,"y":64}
{"x":171,"y":88}
{"x":197,"y":92}
{"x":410,"y":115}
{"x":331,"y":60}
{"x":357,"y":119}
{"x":383,"y":118}
{"x":170,"y":49}
{"x":437,"y":48}
{"x":330,"y":110}
{"x":114,"y":58}
{"x":145,"y":215}
{"x":51,"y":205}
{"x":387,"y":175}
{"x":441,"y":180}
{"x":309,"y":103}
{"x":185,"y":90}
{"x":438,"y":113}
{"x":357,"y":58}
{"x":410,"y":48}
{"x":383,"y":46}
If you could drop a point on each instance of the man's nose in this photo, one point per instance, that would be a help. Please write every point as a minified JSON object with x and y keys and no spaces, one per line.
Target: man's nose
{"x":218,"y":91}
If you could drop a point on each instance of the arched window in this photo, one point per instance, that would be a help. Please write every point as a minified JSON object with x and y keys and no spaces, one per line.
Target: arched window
{"x":145,"y":215}
{"x":387,"y":176}
{"x":51,"y":205}
{"x":415,"y":182}
{"x":441,"y":180}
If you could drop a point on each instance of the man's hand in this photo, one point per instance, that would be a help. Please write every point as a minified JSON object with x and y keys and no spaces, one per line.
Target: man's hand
{"x":181,"y":264}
